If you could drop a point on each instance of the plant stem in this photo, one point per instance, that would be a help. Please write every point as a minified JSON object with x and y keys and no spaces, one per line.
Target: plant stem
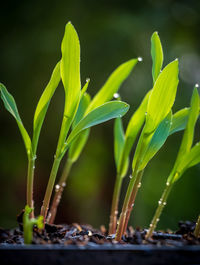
{"x":197,"y":228}
{"x":58,"y":191}
{"x":137,"y":185}
{"x":161,"y":203}
{"x":114,"y":207}
{"x":29,"y":192}
{"x":54,"y":170}
{"x":127,"y":206}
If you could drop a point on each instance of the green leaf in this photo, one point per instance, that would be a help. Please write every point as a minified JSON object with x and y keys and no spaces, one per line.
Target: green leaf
{"x":43,"y":104}
{"x":113,"y":84}
{"x":84,"y":103}
{"x":107,"y":111}
{"x":79,"y":142}
{"x":162,"y":96}
{"x":70,"y":70}
{"x":11,"y":106}
{"x":157,"y":140}
{"x":179,"y":120}
{"x":132,"y":131}
{"x":189,"y":131}
{"x":119,"y":140}
{"x":157,"y":55}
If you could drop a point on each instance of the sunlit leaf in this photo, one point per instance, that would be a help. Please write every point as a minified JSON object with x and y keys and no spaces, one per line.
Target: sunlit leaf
{"x":107,"y":111}
{"x":157,"y":55}
{"x":112,"y":84}
{"x":11,"y":106}
{"x":70,"y":70}
{"x":189,"y":131}
{"x":157,"y":140}
{"x":162,"y":96}
{"x":179,"y":120}
{"x":43,"y":104}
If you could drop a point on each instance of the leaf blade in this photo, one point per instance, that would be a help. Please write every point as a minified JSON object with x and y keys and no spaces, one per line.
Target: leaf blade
{"x":162,"y":97}
{"x":10,"y":105}
{"x":112,"y":84}
{"x":157,"y":55}
{"x":101,"y":114}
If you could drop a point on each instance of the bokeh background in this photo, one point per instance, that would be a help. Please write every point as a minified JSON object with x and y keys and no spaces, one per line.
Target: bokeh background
{"x":110,"y":32}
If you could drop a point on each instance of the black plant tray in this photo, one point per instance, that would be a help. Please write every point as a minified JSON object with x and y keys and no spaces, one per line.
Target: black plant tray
{"x":96,"y":255}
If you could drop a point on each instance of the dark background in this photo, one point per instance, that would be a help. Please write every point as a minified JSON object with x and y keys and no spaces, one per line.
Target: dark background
{"x":110,"y":33}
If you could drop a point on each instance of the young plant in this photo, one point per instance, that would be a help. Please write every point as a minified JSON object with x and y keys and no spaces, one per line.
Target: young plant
{"x":40,"y":112}
{"x":29,"y":223}
{"x":156,"y":128}
{"x":105,"y":94}
{"x":187,"y":157}
{"x":197,"y":228}
{"x":96,"y":113}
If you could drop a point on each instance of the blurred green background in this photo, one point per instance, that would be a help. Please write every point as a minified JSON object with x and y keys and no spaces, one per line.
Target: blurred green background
{"x":110,"y":32}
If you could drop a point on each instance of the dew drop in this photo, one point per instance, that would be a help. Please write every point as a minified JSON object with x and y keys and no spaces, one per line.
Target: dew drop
{"x":132,"y":204}
{"x":151,"y":225}
{"x":167,"y":183}
{"x":196,"y":85}
{"x":87,"y":80}
{"x":116,"y":95}
{"x":164,"y":203}
{"x":145,"y":113}
{"x":57,"y":187}
{"x":160,"y":202}
{"x":157,"y":220}
{"x":116,"y":212}
{"x":33,"y":167}
{"x":139,"y":185}
{"x":63,"y":184}
{"x":140,"y":59}
{"x":130,"y":176}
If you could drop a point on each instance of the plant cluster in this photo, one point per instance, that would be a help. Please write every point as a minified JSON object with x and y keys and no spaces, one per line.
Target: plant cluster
{"x":152,"y":123}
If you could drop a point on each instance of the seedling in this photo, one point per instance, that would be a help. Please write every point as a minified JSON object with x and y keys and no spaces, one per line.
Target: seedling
{"x":86,"y":105}
{"x":100,"y":110}
{"x":187,"y":157}
{"x":159,"y":123}
{"x":29,"y":223}
{"x":40,"y":113}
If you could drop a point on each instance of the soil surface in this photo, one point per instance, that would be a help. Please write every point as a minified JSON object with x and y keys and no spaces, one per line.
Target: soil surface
{"x":82,"y":235}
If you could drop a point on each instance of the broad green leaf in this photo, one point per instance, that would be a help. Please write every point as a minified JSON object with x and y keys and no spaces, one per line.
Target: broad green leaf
{"x":79,"y":142}
{"x":157,"y":55}
{"x":105,"y":112}
{"x":157,"y":140}
{"x":132,"y":131}
{"x":112,"y":85}
{"x":179,"y":120}
{"x":119,"y":140}
{"x":11,"y":106}
{"x":162,"y":96}
{"x":84,"y":103}
{"x":70,"y":70}
{"x":189,"y":131}
{"x":43,"y":104}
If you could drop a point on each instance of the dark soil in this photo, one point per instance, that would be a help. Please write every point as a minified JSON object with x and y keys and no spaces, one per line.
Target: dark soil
{"x":83,"y":235}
